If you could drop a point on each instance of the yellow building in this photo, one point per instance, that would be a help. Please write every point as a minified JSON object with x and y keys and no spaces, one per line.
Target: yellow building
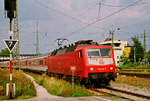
{"x":127,"y":51}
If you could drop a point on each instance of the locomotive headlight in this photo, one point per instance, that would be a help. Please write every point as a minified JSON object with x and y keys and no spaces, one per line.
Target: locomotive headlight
{"x":91,"y":68}
{"x":111,"y":68}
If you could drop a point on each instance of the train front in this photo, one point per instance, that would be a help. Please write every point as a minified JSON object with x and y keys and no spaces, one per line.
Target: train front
{"x":99,"y":63}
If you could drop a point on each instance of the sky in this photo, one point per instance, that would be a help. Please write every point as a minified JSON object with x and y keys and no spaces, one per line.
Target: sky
{"x":77,"y":20}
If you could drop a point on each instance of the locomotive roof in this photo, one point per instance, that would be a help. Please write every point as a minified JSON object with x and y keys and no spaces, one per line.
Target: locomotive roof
{"x":72,"y":47}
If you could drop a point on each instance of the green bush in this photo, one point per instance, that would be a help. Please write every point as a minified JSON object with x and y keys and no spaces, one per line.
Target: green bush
{"x":148,"y":58}
{"x":136,"y":65}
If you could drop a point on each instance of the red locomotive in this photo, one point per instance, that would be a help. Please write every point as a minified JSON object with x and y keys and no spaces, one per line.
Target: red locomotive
{"x":86,"y":61}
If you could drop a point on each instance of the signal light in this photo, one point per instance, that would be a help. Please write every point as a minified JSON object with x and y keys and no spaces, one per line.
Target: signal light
{"x":10,"y":8}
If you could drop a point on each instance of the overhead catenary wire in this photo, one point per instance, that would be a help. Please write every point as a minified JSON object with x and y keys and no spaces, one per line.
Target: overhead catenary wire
{"x":64,"y":14}
{"x":101,"y":19}
{"x":86,"y":10}
{"x":110,"y":5}
{"x":60,"y":12}
{"x":71,"y":16}
{"x":79,"y":20}
{"x":67,"y":15}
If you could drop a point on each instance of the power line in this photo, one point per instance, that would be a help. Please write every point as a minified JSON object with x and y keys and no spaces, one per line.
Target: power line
{"x":64,"y":14}
{"x":86,"y":11}
{"x":101,"y":19}
{"x":60,"y":12}
{"x":89,"y":24}
{"x":42,"y":4}
{"x":109,"y":5}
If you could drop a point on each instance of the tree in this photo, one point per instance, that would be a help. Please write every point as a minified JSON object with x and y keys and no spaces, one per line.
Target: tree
{"x":148,"y":56}
{"x":4,"y":52}
{"x":148,"y":53}
{"x":124,"y":60}
{"x":137,"y":50}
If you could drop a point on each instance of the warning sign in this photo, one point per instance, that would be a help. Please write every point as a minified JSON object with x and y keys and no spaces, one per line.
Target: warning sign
{"x":10,"y":44}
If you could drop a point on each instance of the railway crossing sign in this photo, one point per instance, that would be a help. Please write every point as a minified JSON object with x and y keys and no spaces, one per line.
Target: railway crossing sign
{"x":10,"y":44}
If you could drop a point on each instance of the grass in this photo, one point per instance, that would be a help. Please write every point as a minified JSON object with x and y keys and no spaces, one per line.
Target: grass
{"x":134,"y":81}
{"x":60,"y":87}
{"x":135,"y":66}
{"x":132,"y":68}
{"x":24,"y":87}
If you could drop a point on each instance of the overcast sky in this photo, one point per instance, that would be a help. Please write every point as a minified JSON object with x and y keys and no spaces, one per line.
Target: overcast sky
{"x":77,"y":20}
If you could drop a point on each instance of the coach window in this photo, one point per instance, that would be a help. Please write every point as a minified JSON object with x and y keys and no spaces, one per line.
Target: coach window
{"x":41,"y":62}
{"x":30,"y":63}
{"x":80,"y":53}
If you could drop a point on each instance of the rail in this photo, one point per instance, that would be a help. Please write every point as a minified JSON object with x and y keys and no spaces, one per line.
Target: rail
{"x":106,"y":93}
{"x":144,"y":73}
{"x":129,"y":92}
{"x":134,"y":70}
{"x":120,"y":91}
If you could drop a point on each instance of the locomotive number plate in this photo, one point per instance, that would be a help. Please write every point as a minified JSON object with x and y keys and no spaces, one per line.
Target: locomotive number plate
{"x":101,"y":68}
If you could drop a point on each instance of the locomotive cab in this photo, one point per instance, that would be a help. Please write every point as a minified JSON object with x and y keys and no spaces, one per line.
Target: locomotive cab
{"x":99,"y":63}
{"x":86,"y":60}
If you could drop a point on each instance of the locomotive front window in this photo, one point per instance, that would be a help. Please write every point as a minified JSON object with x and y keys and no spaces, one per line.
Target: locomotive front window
{"x":93,"y":52}
{"x":99,"y":52}
{"x":105,"y":52}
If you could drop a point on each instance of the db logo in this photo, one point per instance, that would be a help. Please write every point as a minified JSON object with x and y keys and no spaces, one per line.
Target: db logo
{"x":1,"y":87}
{"x":101,"y":62}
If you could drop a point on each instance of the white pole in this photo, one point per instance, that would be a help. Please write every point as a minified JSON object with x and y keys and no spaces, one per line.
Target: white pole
{"x":72,"y":79}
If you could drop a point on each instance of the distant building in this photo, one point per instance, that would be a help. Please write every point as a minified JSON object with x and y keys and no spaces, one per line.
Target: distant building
{"x":127,"y":51}
{"x":119,"y":47}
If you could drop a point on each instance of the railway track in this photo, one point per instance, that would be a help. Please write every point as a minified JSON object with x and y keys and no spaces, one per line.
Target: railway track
{"x":117,"y":90}
{"x":135,"y":72}
{"x":108,"y":91}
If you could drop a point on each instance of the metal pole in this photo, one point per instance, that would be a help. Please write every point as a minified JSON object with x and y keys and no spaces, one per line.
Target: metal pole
{"x":112,"y":33}
{"x":72,"y":79}
{"x":10,"y":30}
{"x":37,"y":40}
{"x":11,"y":95}
{"x":144,"y":47}
{"x":134,"y":55}
{"x":10,"y":66}
{"x":10,"y":83}
{"x":112,"y":39}
{"x":16,"y":36}
{"x":144,"y":42}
